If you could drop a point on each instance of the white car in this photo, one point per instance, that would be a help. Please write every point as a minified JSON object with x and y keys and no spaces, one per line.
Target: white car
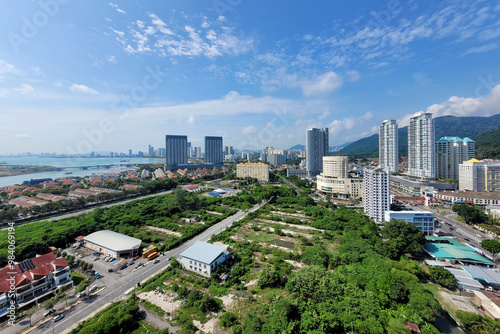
{"x":93,"y":288}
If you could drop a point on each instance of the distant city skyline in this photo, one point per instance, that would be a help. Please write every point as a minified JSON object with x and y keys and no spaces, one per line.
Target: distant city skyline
{"x":256,"y":73}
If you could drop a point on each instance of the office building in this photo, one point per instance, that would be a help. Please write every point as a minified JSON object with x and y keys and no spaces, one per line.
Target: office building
{"x":259,"y":170}
{"x":161,"y":152}
{"x":228,"y":150}
{"x":423,"y":220}
{"x":335,"y":179}
{"x":151,"y":151}
{"x":130,"y":153}
{"x":479,"y":175}
{"x":203,"y":257}
{"x":450,"y":153}
{"x":189,"y":152}
{"x":176,"y":150}
{"x":316,"y":148}
{"x":213,"y":150}
{"x":197,"y":152}
{"x":421,"y":152}
{"x":388,"y":146}
{"x":376,"y":194}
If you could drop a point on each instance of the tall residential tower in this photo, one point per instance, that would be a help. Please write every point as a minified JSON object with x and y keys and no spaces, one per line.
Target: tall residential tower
{"x":316,"y":149}
{"x":376,"y":194}
{"x":176,"y":150}
{"x":388,"y":146}
{"x":421,"y":153}
{"x":214,"y":152}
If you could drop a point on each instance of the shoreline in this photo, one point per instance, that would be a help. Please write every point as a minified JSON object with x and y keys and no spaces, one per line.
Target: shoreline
{"x":7,"y":170}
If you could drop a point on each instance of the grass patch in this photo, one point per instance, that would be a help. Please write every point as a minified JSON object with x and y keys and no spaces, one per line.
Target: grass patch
{"x":155,"y":308}
{"x":77,"y":278}
{"x":143,"y":327}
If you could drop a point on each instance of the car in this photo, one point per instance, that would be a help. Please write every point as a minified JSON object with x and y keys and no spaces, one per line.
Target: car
{"x":123,"y":266}
{"x":110,"y":270}
{"x":58,"y":317}
{"x":97,"y":275}
{"x":131,"y":263}
{"x":96,"y":258}
{"x":93,"y":288}
{"x":466,"y":239}
{"x":157,"y":260}
{"x":49,"y":312}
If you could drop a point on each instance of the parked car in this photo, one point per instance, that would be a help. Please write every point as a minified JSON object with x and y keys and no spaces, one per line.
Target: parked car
{"x":123,"y":266}
{"x":110,"y":270}
{"x":157,"y":260}
{"x":93,"y":288}
{"x":96,"y":258}
{"x":97,"y":275}
{"x":49,"y":312}
{"x":81,"y":294}
{"x":131,"y":263}
{"x":58,"y":317}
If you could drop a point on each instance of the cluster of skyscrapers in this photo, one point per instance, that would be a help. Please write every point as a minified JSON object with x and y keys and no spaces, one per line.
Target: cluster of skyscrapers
{"x":178,"y":150}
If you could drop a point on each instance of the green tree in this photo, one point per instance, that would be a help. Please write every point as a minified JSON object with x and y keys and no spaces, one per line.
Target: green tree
{"x":442,"y":277}
{"x":402,"y":238}
{"x":227,"y":320}
{"x":470,"y":213}
{"x":269,"y":277}
{"x":492,"y":246}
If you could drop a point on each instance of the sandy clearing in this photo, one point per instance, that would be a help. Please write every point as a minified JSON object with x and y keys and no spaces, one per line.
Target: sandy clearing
{"x":165,"y":301}
{"x":163,"y":230}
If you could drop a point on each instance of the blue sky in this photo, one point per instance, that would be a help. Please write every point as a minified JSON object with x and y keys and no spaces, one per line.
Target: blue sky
{"x":79,"y":76}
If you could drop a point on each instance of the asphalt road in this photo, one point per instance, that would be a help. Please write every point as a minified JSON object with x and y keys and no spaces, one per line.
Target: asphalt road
{"x":115,"y":291}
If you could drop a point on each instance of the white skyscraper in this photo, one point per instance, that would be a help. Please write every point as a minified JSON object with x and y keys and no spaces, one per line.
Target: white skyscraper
{"x":421,"y":153}
{"x":388,"y":146}
{"x":376,"y":193}
{"x":316,"y":149}
{"x":450,"y":153}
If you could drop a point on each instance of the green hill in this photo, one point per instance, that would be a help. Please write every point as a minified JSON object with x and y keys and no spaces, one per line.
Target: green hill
{"x":445,"y":126}
{"x":488,"y":145}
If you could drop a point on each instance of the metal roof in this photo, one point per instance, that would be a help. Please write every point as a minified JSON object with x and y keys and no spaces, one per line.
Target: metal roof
{"x":448,"y":248}
{"x":203,"y":252}
{"x":487,"y":275}
{"x":464,"y":280}
{"x":112,"y":240}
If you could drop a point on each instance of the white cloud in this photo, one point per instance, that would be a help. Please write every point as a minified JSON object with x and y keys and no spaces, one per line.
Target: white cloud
{"x":111,"y":59}
{"x":248,"y":130}
{"x":82,"y":89}
{"x":463,"y":106}
{"x":115,"y":6}
{"x":481,"y":49}
{"x":25,"y":89}
{"x":322,"y":84}
{"x":7,"y":68}
{"x":353,"y":76}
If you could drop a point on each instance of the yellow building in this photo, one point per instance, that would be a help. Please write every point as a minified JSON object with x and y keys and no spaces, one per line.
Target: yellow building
{"x":258,"y":170}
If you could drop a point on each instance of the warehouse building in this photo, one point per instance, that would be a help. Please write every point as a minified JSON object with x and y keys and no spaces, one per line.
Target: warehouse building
{"x":203,"y":257}
{"x":112,"y":243}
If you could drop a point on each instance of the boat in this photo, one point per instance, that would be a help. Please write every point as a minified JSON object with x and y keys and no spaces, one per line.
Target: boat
{"x":3,"y":163}
{"x":67,"y":173}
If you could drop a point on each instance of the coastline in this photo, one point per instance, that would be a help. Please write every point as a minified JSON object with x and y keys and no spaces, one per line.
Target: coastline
{"x":13,"y":170}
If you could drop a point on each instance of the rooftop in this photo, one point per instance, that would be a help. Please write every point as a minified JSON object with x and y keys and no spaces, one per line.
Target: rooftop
{"x":113,"y":240}
{"x":448,"y":248}
{"x":491,"y":276}
{"x":203,"y":252}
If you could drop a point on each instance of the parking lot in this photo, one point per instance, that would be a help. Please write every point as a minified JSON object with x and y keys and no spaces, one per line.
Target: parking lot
{"x":110,"y":272}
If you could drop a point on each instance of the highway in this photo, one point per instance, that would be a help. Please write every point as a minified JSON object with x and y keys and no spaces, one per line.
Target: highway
{"x":116,"y":290}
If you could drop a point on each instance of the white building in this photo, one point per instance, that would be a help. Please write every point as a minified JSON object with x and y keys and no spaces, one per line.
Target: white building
{"x":421,"y":152}
{"x":32,"y":279}
{"x":257,"y":170}
{"x":450,"y":153}
{"x":203,"y":257}
{"x":112,"y":243}
{"x":388,"y":146}
{"x":423,"y":220}
{"x":335,"y":179}
{"x":479,"y":175}
{"x":376,"y":194}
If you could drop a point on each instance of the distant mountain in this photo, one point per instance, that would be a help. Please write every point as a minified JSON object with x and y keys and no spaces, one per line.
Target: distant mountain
{"x":470,"y":126}
{"x":332,"y":148}
{"x":298,"y":147}
{"x":488,"y":145}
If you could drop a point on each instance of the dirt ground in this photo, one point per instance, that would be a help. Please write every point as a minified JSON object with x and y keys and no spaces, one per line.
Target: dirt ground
{"x":164,"y":231}
{"x":455,"y":302}
{"x":165,"y":301}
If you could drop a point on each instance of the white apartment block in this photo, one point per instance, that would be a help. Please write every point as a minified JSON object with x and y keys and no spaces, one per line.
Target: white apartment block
{"x":479,"y":175}
{"x":388,"y":146}
{"x":335,"y":179}
{"x":376,"y":197}
{"x":260,"y":171}
{"x":450,"y":153}
{"x":421,"y":152}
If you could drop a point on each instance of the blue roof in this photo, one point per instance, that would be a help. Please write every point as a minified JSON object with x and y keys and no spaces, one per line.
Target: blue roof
{"x":488,"y":275}
{"x":450,"y":139}
{"x":203,"y":252}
